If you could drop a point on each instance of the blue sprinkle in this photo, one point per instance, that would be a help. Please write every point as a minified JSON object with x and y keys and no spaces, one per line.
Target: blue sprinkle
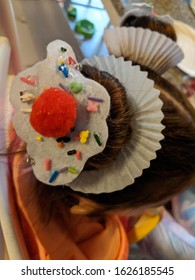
{"x":63,"y":69}
{"x":53,"y":176}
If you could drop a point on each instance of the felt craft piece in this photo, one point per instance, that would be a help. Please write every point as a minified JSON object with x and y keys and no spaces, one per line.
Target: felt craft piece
{"x":56,"y":121}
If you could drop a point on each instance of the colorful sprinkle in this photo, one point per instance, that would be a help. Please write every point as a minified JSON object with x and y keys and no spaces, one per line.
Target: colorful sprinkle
{"x":60,"y":144}
{"x":53,"y":176}
{"x":92,"y":98}
{"x":73,"y":170}
{"x":71,"y":60}
{"x":30,"y":80}
{"x":97,"y":139}
{"x":47,"y":164}
{"x":78,"y":155}
{"x":63,"y":49}
{"x":64,"y":87}
{"x":76,"y":87}
{"x":84,"y":134}
{"x":26,"y":96}
{"x":72,"y":152}
{"x":39,"y":138}
{"x":92,"y":107}
{"x":61,"y":61}
{"x":27,"y":110}
{"x":63,"y":170}
{"x":65,"y":139}
{"x":63,"y":69}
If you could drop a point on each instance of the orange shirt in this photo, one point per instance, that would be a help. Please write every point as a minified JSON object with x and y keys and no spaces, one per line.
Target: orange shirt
{"x":75,"y":237}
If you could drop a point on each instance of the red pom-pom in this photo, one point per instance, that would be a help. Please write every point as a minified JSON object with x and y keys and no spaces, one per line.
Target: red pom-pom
{"x":54,"y":113}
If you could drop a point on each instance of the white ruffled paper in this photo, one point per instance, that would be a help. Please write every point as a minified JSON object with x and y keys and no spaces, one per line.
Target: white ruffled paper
{"x":146,"y":124}
{"x":143,"y":46}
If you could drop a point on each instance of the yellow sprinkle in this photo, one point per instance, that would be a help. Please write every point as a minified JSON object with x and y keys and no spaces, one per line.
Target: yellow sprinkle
{"x":39,"y":138}
{"x":84,"y":134}
{"x":73,"y":170}
{"x":60,"y":62}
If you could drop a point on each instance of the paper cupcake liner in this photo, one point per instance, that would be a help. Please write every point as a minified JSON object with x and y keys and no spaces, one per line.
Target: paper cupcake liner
{"x":143,"y":46}
{"x":146,"y":124}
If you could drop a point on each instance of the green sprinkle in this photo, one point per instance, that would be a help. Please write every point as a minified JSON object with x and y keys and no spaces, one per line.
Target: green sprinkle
{"x":97,"y":139}
{"x":73,"y":170}
{"x":76,"y":87}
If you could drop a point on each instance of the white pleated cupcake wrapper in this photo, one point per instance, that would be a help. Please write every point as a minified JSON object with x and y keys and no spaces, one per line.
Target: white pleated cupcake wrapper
{"x":143,"y":46}
{"x":146,"y":123}
{"x":186,"y":41}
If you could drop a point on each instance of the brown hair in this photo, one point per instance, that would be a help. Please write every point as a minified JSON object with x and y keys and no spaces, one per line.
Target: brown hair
{"x":118,"y":120}
{"x":152,"y":23}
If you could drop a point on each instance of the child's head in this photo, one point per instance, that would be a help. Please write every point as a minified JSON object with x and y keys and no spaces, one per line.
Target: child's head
{"x":142,"y":162}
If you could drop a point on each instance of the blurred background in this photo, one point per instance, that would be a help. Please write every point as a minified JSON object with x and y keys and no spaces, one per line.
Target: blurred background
{"x":31,"y":24}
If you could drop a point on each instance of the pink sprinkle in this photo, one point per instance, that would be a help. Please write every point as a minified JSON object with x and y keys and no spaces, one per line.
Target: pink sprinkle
{"x":28,"y":80}
{"x":78,"y":155}
{"x":48,"y":164}
{"x":92,"y":107}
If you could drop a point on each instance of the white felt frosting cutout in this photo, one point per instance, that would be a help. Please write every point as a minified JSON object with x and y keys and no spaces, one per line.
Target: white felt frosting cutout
{"x":146,"y":124}
{"x":143,"y":46}
{"x":46,"y":74}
